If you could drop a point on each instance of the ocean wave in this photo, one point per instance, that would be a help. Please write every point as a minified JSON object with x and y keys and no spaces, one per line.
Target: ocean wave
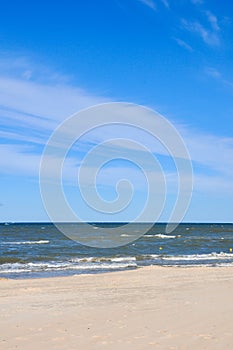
{"x":26,"y":242}
{"x":225,"y":264}
{"x":104,"y":259}
{"x":63,"y":266}
{"x":94,"y":263}
{"x":160,"y":235}
{"x":191,"y":257}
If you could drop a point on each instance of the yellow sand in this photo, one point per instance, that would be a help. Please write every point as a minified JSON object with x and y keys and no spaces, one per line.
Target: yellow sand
{"x":148,"y":308}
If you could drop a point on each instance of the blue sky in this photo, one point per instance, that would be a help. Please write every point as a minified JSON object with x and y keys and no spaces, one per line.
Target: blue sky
{"x":172,"y":56}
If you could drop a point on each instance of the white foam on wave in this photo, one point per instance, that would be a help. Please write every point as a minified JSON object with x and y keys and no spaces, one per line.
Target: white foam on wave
{"x":225,"y":264}
{"x":104,"y":259}
{"x":193,"y":257}
{"x":122,"y":259}
{"x":26,"y":242}
{"x":160,"y":235}
{"x":70,"y":265}
{"x":119,"y":262}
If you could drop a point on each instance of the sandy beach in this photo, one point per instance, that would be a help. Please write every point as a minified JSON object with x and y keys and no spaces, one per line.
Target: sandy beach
{"x":147,"y":308}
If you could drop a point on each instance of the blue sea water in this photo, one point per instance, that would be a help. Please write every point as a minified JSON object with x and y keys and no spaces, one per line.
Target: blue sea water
{"x":31,"y":250}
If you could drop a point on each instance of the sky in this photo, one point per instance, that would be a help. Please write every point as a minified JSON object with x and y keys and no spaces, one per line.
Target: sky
{"x":174,"y":57}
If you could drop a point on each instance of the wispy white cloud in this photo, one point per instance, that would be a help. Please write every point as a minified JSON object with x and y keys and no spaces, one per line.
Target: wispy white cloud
{"x":216,"y":74}
{"x":213,"y":20}
{"x":31,"y":110}
{"x":34,"y":100}
{"x":59,"y":100}
{"x":209,"y":36}
{"x":197,"y":1}
{"x":166,"y":3}
{"x":149,"y":3}
{"x":152,"y":4}
{"x":212,"y":154}
{"x":208,"y":29}
{"x":19,"y":66}
{"x":18,"y":159}
{"x":183,"y":44}
{"x":213,"y":72}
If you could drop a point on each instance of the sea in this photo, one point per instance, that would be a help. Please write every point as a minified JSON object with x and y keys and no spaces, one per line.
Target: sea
{"x":36,"y":250}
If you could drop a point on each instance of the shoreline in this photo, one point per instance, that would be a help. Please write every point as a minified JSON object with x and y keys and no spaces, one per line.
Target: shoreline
{"x":93,"y":273}
{"x":146,"y":308}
